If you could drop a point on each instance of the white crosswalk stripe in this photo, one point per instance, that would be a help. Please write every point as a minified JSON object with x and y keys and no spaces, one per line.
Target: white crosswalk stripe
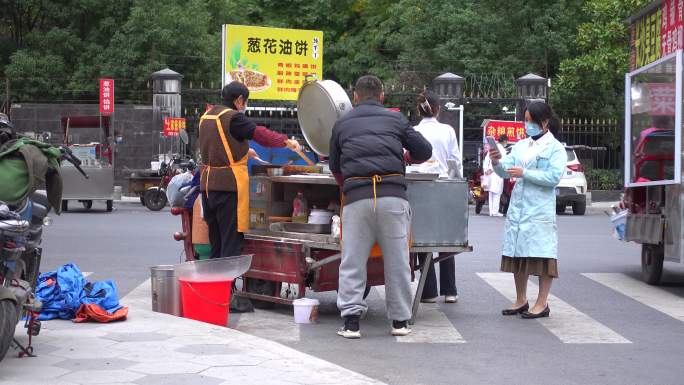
{"x":656,"y":298}
{"x":432,"y":325}
{"x":567,"y":323}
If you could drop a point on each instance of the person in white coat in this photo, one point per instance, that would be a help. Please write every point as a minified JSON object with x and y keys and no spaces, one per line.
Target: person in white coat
{"x":445,"y":148}
{"x":494,"y":184}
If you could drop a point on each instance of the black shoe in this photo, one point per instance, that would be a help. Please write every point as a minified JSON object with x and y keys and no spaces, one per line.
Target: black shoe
{"x":544,"y":313}
{"x":400,"y":328}
{"x":519,"y":310}
{"x":350,"y":328}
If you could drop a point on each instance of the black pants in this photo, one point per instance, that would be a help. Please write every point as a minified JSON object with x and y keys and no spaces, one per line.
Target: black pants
{"x":447,"y":277}
{"x":220,"y":213}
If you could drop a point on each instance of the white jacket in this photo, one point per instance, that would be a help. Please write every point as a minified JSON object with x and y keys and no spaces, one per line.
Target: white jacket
{"x":444,"y":143}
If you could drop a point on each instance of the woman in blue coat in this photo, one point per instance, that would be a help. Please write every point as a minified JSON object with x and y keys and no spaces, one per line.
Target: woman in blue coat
{"x":530,"y":237}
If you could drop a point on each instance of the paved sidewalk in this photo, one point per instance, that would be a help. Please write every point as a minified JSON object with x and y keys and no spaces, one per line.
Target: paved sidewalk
{"x":155,"y":348}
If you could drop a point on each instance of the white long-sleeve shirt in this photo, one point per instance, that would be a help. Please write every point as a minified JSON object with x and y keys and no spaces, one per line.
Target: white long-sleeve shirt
{"x":444,"y":143}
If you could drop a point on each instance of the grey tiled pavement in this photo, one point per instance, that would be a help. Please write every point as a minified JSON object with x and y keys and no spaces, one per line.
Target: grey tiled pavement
{"x":153,"y":348}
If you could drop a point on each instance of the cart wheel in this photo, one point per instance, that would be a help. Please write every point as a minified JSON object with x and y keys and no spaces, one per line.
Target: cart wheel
{"x":110,"y":205}
{"x":478,"y":206}
{"x":87,"y":204}
{"x":560,"y":209}
{"x":652,"y":257}
{"x":263,"y":287}
{"x":65,"y":205}
{"x":142,"y":199}
{"x":155,"y":199}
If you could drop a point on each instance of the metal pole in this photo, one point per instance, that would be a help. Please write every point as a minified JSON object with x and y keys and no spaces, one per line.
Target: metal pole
{"x":460,"y":130}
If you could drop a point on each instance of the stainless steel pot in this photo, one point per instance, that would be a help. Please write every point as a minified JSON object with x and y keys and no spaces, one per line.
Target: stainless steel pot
{"x":319,"y":105}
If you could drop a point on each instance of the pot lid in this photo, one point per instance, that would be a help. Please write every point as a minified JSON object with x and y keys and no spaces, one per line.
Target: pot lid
{"x":319,"y":105}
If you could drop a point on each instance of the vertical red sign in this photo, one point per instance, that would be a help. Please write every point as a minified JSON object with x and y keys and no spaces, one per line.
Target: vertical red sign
{"x":671,"y":26}
{"x":106,"y":96}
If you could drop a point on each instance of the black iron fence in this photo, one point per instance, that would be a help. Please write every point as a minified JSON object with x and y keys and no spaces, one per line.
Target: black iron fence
{"x":598,"y":144}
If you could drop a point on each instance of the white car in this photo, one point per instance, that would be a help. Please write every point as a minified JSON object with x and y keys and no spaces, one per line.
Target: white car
{"x":572,"y":189}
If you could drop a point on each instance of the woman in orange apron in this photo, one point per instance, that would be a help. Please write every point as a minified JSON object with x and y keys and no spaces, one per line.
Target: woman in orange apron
{"x":224,"y":135}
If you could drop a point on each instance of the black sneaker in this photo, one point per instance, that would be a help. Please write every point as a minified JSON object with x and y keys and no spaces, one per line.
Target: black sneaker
{"x":350,"y":328}
{"x":400,"y":328}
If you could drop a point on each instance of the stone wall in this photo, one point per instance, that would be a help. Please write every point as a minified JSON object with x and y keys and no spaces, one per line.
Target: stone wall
{"x":133,"y":122}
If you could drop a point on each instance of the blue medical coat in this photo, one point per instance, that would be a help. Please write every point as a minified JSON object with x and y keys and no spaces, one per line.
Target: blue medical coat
{"x":530,"y":229}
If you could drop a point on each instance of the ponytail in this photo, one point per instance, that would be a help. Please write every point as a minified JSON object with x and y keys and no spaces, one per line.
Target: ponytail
{"x":428,"y":104}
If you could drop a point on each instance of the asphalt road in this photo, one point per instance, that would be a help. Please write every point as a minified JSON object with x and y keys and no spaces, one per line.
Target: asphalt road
{"x":606,"y":327}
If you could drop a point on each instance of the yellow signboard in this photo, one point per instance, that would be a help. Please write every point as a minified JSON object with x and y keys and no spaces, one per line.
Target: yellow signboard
{"x":272,"y":62}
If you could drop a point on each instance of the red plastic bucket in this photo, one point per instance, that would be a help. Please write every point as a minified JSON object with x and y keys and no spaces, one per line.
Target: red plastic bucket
{"x":206,"y":301}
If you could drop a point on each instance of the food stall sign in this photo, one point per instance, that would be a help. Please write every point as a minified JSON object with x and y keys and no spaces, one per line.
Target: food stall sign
{"x":514,"y":130}
{"x":657,"y":33}
{"x":106,"y":96}
{"x":272,"y":62}
{"x":172,"y":126}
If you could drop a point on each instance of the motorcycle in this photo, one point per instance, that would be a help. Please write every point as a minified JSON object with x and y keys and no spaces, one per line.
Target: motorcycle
{"x":155,"y":198}
{"x":21,"y":229}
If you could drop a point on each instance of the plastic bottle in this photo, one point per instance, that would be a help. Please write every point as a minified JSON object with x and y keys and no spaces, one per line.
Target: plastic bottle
{"x":300,"y":212}
{"x":335,"y":230}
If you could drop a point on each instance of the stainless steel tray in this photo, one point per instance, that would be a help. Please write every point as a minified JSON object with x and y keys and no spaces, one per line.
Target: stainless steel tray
{"x":306,"y":228}
{"x":421,"y":176}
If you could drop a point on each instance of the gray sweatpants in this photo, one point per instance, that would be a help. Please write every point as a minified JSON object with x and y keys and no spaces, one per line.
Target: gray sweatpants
{"x":388,"y":225}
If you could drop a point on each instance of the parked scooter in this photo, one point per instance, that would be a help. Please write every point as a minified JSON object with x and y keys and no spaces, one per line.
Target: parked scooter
{"x":21,"y":228}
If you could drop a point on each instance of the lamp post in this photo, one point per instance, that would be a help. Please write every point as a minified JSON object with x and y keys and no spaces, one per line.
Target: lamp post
{"x":530,"y":87}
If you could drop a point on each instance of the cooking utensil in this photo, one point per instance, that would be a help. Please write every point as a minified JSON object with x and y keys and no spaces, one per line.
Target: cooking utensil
{"x":321,"y":217}
{"x":311,"y":228}
{"x":293,"y":169}
{"x":303,"y":156}
{"x":319,"y":105}
{"x":261,"y":161}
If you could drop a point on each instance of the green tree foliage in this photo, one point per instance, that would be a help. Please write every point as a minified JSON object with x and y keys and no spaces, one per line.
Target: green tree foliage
{"x":57,"y":49}
{"x":592,"y":83}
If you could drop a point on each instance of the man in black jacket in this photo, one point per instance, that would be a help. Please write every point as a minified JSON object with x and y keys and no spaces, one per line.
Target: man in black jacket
{"x":367,"y":158}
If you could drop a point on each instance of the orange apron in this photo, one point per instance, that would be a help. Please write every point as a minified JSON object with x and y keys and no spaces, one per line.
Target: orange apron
{"x":240,"y":172}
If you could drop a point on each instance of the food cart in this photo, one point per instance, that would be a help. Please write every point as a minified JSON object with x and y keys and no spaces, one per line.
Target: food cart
{"x":307,"y":254}
{"x":88,"y":138}
{"x":654,"y":195}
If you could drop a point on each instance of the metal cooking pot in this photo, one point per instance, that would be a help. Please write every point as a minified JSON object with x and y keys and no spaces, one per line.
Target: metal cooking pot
{"x":319,"y":105}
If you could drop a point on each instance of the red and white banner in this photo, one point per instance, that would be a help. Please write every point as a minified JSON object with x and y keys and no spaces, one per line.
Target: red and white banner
{"x":514,"y":130}
{"x":671,"y":26}
{"x":106,"y":96}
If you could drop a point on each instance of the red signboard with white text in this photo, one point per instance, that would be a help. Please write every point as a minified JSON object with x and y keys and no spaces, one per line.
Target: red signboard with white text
{"x":172,"y":126}
{"x":515,"y":131}
{"x":671,"y":32}
{"x":106,"y":96}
